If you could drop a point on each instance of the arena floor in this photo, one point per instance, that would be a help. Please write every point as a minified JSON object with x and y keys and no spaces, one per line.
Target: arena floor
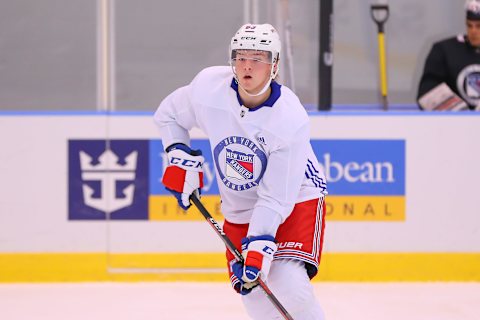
{"x":145,"y":301}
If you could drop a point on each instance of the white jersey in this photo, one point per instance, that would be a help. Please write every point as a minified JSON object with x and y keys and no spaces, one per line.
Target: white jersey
{"x":264,"y":161}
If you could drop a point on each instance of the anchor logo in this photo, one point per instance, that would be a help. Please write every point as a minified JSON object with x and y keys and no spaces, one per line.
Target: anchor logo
{"x":108,"y":172}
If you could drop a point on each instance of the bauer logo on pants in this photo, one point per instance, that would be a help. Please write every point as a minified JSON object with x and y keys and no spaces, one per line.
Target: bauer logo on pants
{"x":108,"y":181}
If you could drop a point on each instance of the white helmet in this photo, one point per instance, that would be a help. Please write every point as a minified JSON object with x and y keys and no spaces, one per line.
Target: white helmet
{"x":472,"y":8}
{"x":257,"y":37}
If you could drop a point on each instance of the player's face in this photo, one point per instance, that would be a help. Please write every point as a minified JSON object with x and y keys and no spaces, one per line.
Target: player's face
{"x":253,"y":69}
{"x":473,"y":32}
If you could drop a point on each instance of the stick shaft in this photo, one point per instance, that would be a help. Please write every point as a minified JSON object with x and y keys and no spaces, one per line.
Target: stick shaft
{"x":238,"y":256}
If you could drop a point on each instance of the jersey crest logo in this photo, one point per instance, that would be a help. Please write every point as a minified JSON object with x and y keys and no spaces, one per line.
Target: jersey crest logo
{"x":468,"y":84}
{"x":473,"y":85}
{"x":239,"y":165}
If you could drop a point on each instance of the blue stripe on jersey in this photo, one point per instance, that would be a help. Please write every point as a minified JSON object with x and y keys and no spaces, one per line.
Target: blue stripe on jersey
{"x":312,"y":174}
{"x":308,"y":177}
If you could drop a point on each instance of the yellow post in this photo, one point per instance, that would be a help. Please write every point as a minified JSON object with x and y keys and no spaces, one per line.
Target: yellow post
{"x":380,"y":13}
{"x":383,"y":68}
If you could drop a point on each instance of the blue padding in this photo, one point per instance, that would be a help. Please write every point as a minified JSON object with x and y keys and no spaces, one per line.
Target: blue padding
{"x":337,"y":110}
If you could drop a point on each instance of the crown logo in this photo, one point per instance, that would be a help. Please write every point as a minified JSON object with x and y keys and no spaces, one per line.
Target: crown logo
{"x":108,"y":171}
{"x":108,"y":161}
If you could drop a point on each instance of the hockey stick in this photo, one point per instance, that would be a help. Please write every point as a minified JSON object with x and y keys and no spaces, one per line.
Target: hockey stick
{"x":231,"y":247}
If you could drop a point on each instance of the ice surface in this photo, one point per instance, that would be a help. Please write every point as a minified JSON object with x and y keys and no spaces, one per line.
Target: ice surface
{"x":162,"y":300}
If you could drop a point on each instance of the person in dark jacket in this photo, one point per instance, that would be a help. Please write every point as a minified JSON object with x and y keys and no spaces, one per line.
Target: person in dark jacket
{"x":456,"y":62}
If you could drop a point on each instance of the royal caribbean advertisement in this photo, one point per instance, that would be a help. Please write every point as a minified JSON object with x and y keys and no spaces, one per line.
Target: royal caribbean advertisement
{"x":121,"y":180}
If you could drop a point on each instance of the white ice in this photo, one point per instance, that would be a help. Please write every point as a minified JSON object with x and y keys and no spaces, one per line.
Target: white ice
{"x":159,"y":300}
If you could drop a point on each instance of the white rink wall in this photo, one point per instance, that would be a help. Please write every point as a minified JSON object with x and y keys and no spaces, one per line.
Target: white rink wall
{"x":439,"y":214}
{"x":441,"y":189}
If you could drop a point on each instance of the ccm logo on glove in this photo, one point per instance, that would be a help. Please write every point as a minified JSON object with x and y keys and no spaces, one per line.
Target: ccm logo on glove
{"x":268,"y":250}
{"x":184,"y":175}
{"x":185,"y":162}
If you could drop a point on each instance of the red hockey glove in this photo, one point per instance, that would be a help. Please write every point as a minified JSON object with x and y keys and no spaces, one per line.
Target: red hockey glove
{"x":184,"y":174}
{"x":258,"y":254}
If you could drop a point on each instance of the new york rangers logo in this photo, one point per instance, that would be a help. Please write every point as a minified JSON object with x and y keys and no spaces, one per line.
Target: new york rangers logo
{"x":239,"y":165}
{"x":240,"y":162}
{"x":473,"y":85}
{"x":468,"y":84}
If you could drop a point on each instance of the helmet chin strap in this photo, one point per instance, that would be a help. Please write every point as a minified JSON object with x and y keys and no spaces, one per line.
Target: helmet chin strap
{"x":257,"y":94}
{"x":265,"y":87}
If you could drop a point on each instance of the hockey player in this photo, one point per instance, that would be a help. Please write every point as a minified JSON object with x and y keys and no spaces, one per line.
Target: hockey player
{"x":456,"y":62}
{"x":270,"y":182}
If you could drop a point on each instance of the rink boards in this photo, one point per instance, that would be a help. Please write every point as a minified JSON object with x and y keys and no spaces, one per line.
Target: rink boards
{"x":402,"y":202}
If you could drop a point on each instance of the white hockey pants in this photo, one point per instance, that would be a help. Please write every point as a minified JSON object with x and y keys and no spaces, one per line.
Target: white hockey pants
{"x":289,"y":281}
